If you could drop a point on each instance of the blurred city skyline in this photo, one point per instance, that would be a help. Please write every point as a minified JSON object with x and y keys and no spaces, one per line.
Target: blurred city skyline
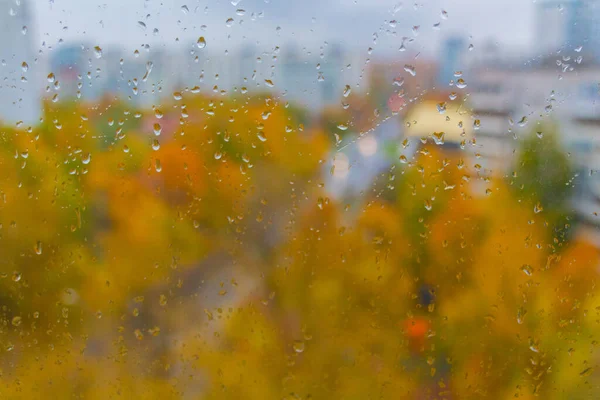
{"x":270,"y":23}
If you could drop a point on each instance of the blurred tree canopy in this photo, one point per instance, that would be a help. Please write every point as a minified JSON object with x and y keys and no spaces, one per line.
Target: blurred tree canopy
{"x":543,"y":176}
{"x":192,"y":251}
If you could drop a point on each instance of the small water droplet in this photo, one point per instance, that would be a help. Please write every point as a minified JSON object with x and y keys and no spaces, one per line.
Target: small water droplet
{"x":201,"y":43}
{"x":428,"y":205}
{"x":38,"y":248}
{"x":299,"y":346}
{"x":98,"y":51}
{"x":438,"y":138}
{"x":523,"y":121}
{"x":521,"y":312}
{"x":347,"y":91}
{"x":16,"y":321}
{"x":157,"y":129}
{"x":24,"y":66}
{"x":527,"y":269}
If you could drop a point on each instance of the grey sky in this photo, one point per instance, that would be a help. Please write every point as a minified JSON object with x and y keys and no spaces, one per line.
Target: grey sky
{"x":351,"y":22}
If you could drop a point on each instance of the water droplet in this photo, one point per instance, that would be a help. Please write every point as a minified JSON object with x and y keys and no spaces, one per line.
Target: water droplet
{"x":269,"y":83}
{"x":38,"y":248}
{"x":533,"y":346}
{"x":523,"y":121}
{"x":347,"y":91}
{"x":141,"y":24}
{"x":157,"y":129}
{"x":527,"y":269}
{"x":185,"y":9}
{"x":24,"y":66}
{"x":229,"y":22}
{"x":177,"y":96}
{"x":51,"y":78}
{"x":461,"y":84}
{"x":157,"y":165}
{"x":398,"y":81}
{"x":428,"y":205}
{"x":444,"y":14}
{"x":16,"y":276}
{"x":155,"y":145}
{"x":538,"y":208}
{"x":261,"y":136}
{"x":521,"y":312}
{"x":299,"y":346}
{"x":410,"y":69}
{"x":438,"y":137}
{"x":201,"y":43}
{"x":16,"y":321}
{"x":86,"y":158}
{"x":476,"y":124}
{"x":342,"y":127}
{"x":441,"y":107}
{"x":98,"y":51}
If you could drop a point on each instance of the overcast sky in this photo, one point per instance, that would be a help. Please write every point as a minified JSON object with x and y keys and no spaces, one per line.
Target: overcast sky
{"x":278,"y":22}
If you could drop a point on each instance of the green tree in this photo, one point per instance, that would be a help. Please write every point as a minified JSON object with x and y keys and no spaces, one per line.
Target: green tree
{"x":542,"y":176}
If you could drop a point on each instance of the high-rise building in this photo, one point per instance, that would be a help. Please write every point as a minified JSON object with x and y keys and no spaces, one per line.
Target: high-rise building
{"x":567,"y":24}
{"x":310,"y":81}
{"x":451,"y":60}
{"x":20,"y":95}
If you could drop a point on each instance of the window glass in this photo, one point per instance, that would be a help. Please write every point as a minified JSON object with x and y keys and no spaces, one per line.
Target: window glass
{"x":333,"y":199}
